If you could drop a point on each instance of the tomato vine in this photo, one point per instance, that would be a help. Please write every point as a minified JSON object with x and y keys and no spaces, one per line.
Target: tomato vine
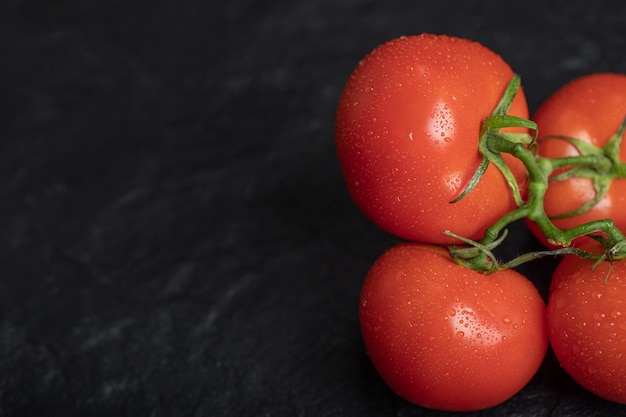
{"x":601,"y":165}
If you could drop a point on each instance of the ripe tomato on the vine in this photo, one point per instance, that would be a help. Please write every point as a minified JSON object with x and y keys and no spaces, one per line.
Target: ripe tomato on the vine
{"x":446,"y":337}
{"x":589,"y":108}
{"x":586,"y":317}
{"x":407,"y":131}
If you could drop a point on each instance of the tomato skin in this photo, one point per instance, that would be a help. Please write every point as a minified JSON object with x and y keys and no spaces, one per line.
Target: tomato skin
{"x":445,"y":337}
{"x":589,"y":108}
{"x":407,"y":129}
{"x":587,"y":324}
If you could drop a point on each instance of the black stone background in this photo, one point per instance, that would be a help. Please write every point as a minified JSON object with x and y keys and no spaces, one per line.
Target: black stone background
{"x":175,"y":235}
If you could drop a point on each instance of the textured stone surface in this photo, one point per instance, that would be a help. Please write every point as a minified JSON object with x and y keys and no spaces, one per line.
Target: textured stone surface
{"x":175,"y":236}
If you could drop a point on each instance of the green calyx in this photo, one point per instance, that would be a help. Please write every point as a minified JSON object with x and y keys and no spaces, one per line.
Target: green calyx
{"x":601,"y":165}
{"x":491,"y":127}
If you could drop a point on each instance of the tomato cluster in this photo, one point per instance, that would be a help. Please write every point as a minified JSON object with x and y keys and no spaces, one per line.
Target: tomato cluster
{"x":440,"y":334}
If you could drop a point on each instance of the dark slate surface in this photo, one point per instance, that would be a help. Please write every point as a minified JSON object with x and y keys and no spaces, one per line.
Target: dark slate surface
{"x":175,"y":236}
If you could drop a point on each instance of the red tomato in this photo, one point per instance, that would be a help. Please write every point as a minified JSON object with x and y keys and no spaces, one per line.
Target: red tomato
{"x":445,"y":337}
{"x":587,"y":324}
{"x":590,"y":108}
{"x":407,"y":130}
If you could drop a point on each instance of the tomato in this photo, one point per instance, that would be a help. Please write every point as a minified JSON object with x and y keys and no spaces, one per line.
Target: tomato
{"x":446,"y":337}
{"x":407,"y":130}
{"x":589,"y":108}
{"x":587,"y":324}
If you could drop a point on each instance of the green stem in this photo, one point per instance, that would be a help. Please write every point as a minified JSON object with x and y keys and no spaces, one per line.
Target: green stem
{"x":582,"y":160}
{"x":539,"y":169}
{"x":493,"y":142}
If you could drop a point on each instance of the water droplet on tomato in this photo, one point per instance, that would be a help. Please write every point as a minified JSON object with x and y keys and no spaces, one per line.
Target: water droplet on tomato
{"x":506,"y":320}
{"x":460,"y":334}
{"x":599,"y":316}
{"x":451,"y":312}
{"x":612,"y":290}
{"x":447,"y":139}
